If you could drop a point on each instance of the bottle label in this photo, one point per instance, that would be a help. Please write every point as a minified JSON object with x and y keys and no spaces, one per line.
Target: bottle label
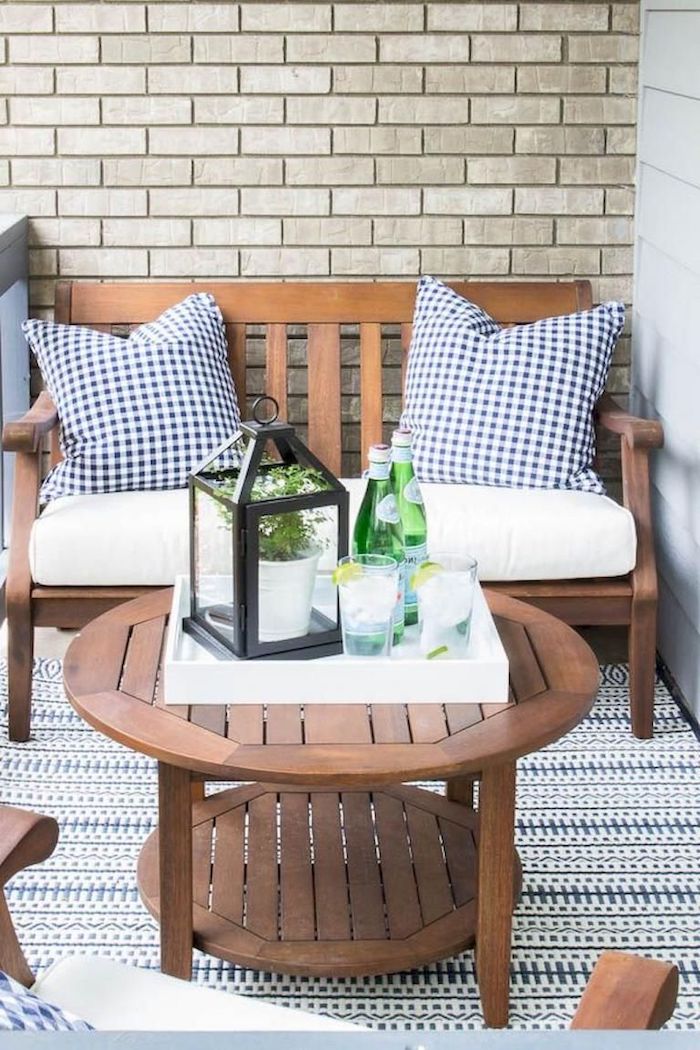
{"x":412,"y":492}
{"x":415,"y":556}
{"x":399,"y":608}
{"x":401,"y":453}
{"x":388,"y":510}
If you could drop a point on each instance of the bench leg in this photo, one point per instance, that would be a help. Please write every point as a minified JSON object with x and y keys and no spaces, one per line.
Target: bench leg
{"x":642,"y":660}
{"x":20,"y":656}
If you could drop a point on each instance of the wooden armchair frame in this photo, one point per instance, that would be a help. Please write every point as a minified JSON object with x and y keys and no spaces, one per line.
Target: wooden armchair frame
{"x":623,"y":992}
{"x":629,"y":600}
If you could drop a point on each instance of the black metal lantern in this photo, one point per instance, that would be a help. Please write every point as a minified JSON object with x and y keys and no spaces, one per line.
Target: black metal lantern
{"x":268,"y":523}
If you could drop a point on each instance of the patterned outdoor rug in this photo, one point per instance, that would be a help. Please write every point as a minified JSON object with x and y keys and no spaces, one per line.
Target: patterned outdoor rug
{"x":607,"y":829}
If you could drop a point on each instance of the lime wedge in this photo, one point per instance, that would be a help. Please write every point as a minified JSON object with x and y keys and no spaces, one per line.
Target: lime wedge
{"x":424,"y":573}
{"x":350,"y":570}
{"x":440,"y":651}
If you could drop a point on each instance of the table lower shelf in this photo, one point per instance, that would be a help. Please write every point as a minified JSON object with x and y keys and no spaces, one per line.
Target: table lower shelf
{"x":329,"y":883}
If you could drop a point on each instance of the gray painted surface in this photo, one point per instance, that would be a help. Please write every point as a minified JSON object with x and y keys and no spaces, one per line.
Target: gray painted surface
{"x":666,"y":339}
{"x":14,"y":356}
{"x":349,"y":1041}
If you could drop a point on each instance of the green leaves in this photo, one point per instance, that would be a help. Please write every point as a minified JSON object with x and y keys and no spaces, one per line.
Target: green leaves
{"x":285,"y":536}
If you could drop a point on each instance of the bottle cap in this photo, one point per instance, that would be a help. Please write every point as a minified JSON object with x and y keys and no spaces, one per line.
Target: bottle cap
{"x":401,"y":438}
{"x":379,"y":453}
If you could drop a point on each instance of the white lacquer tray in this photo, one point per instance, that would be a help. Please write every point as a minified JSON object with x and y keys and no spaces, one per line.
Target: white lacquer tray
{"x":192,"y":675}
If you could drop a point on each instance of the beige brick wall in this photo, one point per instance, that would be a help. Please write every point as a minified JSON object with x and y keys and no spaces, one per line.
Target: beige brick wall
{"x":489,"y":140}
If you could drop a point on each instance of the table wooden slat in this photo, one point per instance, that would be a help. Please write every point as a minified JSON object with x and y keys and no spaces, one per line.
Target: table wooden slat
{"x":296,"y":878}
{"x":143,"y":659}
{"x":283,"y":724}
{"x":427,"y":722}
{"x":209,"y":716}
{"x":460,"y":854}
{"x":401,"y":895}
{"x":390,"y":724}
{"x":366,"y":900}
{"x":461,"y":716}
{"x":332,"y":914}
{"x":262,"y":882}
{"x":346,"y":723}
{"x":525,"y":673}
{"x":100,"y":666}
{"x":433,"y":887}
{"x":245,"y":723}
{"x":227,"y":890}
{"x":201,"y":862}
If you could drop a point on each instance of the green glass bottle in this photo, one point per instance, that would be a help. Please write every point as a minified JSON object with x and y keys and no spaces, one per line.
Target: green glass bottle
{"x":378,"y":525}
{"x":405,"y":487}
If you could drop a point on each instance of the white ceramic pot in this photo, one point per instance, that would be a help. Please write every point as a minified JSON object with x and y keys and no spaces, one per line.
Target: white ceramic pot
{"x":286,"y":592}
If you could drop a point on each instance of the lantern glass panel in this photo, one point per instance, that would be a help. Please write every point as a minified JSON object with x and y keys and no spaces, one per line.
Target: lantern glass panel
{"x":298,"y":551}
{"x":213,"y":564}
{"x":268,"y":522}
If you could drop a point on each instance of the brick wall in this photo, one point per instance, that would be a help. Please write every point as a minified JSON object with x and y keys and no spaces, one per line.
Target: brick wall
{"x":308,"y":140}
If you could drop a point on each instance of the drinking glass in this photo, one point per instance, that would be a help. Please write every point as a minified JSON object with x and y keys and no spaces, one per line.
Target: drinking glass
{"x":369,"y":588}
{"x":445,"y":601}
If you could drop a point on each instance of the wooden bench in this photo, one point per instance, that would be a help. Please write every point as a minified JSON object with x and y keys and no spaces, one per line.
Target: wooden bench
{"x":323,"y":307}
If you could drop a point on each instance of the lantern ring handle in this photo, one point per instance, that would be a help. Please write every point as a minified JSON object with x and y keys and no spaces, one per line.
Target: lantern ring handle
{"x":264,"y":419}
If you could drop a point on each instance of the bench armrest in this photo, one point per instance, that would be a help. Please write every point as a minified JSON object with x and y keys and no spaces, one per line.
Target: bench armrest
{"x":25,"y":434}
{"x":640,"y":433}
{"x":637,"y":438}
{"x":25,"y":838}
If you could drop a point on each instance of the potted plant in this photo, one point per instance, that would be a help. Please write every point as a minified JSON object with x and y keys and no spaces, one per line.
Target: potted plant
{"x":290,"y":545}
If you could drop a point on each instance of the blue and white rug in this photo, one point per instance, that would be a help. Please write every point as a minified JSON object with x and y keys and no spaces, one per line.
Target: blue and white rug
{"x":608,"y":831}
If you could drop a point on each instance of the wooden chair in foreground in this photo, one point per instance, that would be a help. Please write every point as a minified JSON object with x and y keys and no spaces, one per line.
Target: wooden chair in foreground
{"x":628,"y":600}
{"x":628,"y":992}
{"x":623,"y":992}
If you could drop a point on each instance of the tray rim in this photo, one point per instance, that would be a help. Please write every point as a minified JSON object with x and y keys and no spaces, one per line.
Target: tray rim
{"x":195,"y":682}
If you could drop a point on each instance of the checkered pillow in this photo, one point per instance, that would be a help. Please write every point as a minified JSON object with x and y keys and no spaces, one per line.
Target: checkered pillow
{"x":510,"y":407}
{"x":137,"y":413}
{"x":22,"y":1011}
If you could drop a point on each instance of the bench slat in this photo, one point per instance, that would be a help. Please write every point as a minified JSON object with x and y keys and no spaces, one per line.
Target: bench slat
{"x":276,"y":365}
{"x":323,"y":357}
{"x":406,"y":333}
{"x":236,"y":340}
{"x":371,"y":389}
{"x":341,"y":302}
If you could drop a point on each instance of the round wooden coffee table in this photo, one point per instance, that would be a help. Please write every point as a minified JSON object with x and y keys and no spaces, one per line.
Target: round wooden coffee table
{"x":326,"y":864}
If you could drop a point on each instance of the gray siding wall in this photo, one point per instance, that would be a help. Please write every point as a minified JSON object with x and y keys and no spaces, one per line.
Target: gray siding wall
{"x":666,"y":340}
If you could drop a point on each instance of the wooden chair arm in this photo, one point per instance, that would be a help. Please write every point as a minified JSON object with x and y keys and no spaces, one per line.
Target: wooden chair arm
{"x":639,"y":433}
{"x":25,"y":838}
{"x":25,"y":434}
{"x":628,"y":992}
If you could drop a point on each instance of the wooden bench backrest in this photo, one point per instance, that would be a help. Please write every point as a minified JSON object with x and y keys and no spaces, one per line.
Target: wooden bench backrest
{"x":323,"y":307}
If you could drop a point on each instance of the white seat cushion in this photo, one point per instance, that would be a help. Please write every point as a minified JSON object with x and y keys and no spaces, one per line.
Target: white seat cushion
{"x":115,"y":538}
{"x":515,"y":534}
{"x":117,"y":997}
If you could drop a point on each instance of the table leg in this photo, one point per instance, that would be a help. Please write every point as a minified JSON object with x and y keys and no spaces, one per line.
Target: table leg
{"x":461,"y":789}
{"x":495,"y":890}
{"x":175,"y":869}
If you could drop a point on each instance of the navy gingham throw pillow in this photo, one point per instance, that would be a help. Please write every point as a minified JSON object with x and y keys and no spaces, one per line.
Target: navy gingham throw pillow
{"x":137,"y":413}
{"x":22,"y":1011}
{"x":510,"y":407}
